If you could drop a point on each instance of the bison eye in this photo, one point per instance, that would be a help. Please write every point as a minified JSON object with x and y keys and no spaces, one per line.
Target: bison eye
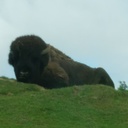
{"x":16,"y":57}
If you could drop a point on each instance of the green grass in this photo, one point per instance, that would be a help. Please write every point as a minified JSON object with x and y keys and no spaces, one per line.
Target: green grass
{"x":31,"y":106}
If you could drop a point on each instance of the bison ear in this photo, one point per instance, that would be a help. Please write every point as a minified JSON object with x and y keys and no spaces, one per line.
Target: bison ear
{"x":11,"y":58}
{"x":45,"y":56}
{"x":46,"y":51}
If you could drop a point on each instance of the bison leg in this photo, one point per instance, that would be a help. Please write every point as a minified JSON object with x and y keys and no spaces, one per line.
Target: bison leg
{"x":102,"y":77}
{"x":54,"y":76}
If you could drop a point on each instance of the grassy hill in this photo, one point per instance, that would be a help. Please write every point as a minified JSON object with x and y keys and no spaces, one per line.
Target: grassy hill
{"x":31,"y":106}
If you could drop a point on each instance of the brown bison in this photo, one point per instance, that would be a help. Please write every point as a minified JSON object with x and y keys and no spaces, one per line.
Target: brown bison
{"x":34,"y":61}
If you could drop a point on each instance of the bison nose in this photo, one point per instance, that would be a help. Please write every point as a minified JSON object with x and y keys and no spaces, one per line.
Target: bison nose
{"x":24,"y":74}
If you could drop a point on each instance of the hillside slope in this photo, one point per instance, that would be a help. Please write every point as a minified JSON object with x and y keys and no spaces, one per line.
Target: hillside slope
{"x":31,"y":106}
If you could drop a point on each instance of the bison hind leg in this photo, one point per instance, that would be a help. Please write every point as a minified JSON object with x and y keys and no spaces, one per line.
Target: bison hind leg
{"x":102,"y":77}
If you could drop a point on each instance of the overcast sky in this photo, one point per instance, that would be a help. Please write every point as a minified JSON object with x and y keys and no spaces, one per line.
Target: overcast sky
{"x":94,"y":32}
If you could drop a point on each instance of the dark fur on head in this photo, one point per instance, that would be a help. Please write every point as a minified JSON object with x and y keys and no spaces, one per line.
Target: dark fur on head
{"x":34,"y":61}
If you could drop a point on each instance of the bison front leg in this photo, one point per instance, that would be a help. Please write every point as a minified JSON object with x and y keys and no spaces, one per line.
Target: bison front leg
{"x":102,"y":77}
{"x":54,"y":76}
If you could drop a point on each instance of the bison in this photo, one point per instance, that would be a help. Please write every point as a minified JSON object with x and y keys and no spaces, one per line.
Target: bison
{"x":37,"y":62}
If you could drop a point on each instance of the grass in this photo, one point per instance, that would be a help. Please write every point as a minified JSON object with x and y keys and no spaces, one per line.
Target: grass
{"x":31,"y":106}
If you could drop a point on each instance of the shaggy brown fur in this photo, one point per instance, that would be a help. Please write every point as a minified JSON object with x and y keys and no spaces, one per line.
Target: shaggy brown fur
{"x":34,"y":61}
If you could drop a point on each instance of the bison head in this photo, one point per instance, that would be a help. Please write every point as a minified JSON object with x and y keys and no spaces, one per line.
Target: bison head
{"x":28,"y":55}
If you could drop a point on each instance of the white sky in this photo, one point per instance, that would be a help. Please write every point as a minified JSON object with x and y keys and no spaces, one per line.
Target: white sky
{"x":93,"y":32}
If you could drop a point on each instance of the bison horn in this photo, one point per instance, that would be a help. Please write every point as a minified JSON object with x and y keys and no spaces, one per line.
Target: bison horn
{"x":45,"y":51}
{"x":11,"y":52}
